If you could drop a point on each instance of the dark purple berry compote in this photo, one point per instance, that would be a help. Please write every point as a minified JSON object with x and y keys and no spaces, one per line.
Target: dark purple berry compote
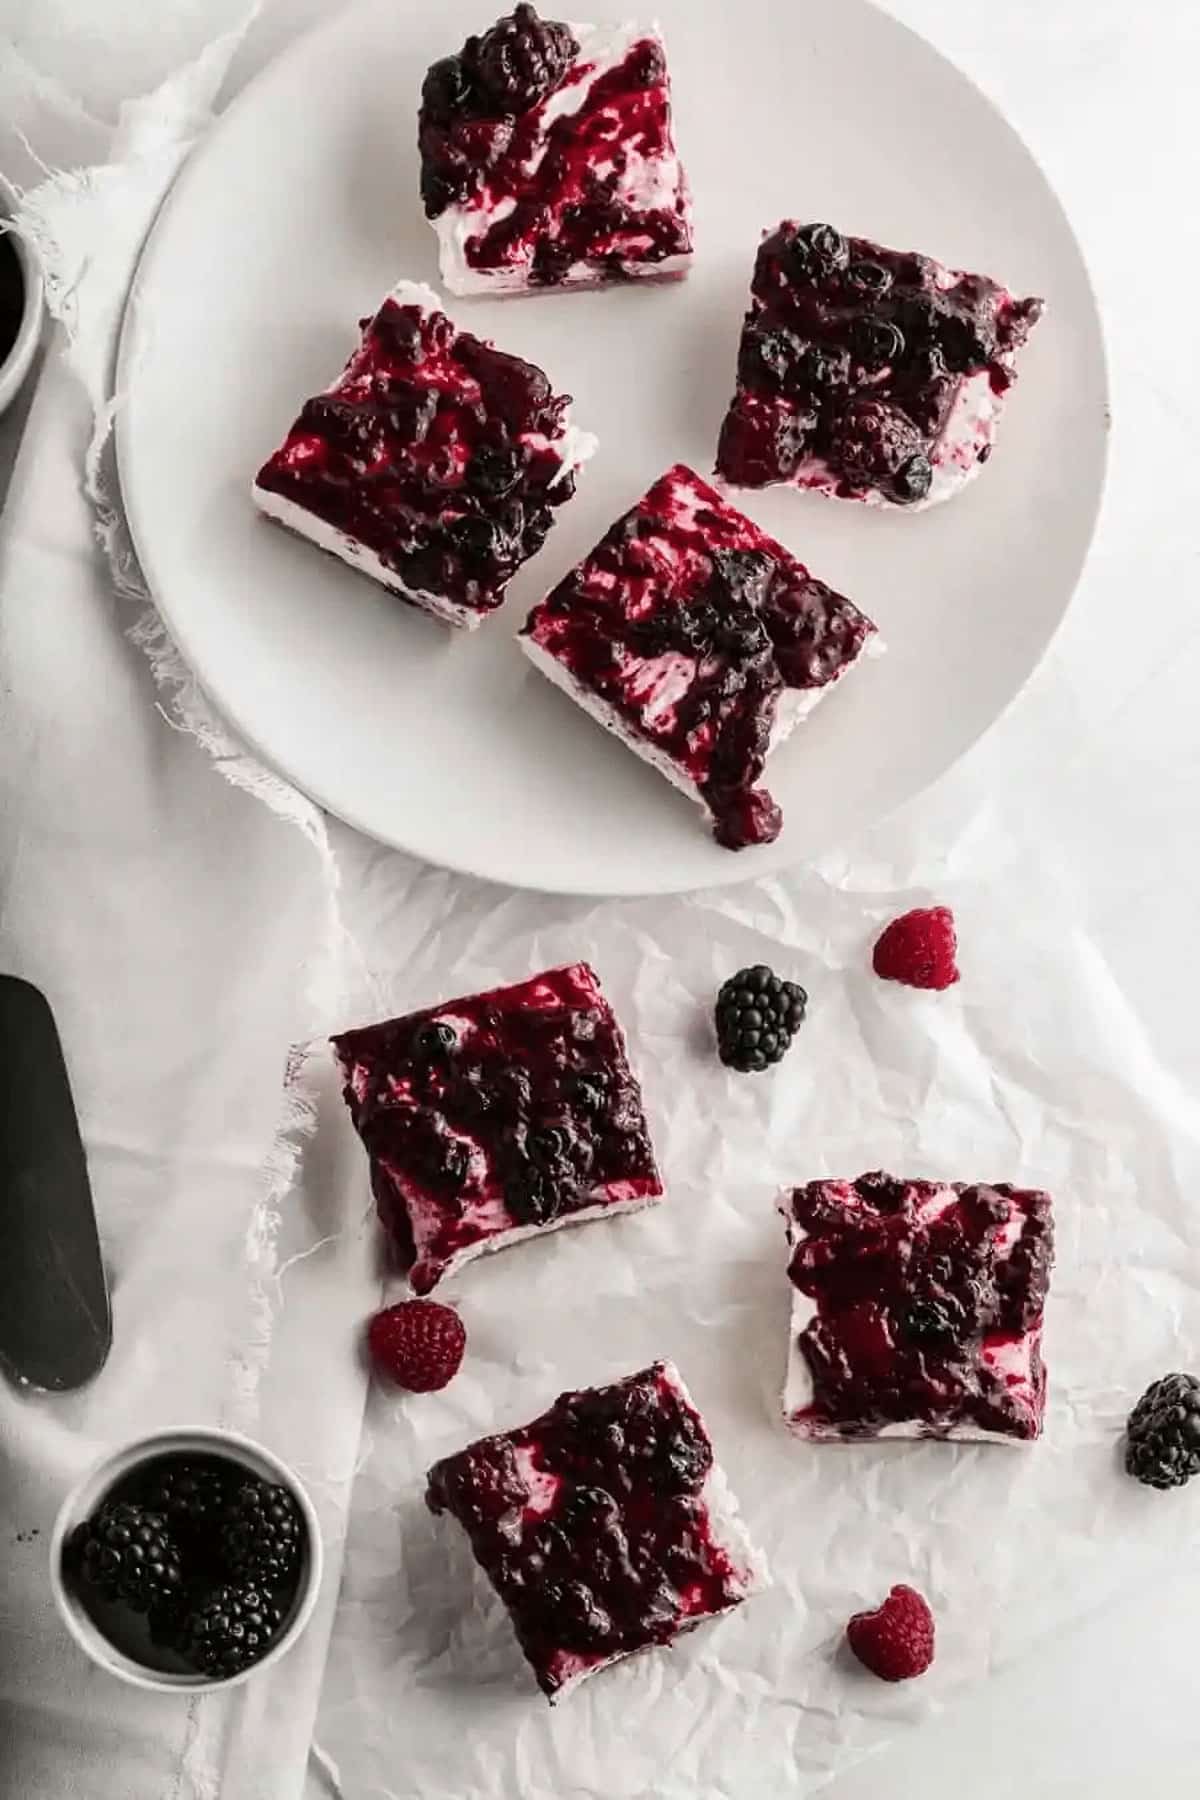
{"x":866,"y":373}
{"x":548,"y":159}
{"x":604,"y":1526}
{"x":489,"y":1118}
{"x":917,"y":1309}
{"x":434,"y":463}
{"x":700,"y":642}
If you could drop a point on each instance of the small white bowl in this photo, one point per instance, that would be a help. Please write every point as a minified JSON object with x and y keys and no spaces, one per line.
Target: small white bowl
{"x":91,"y":1492}
{"x":15,"y":366}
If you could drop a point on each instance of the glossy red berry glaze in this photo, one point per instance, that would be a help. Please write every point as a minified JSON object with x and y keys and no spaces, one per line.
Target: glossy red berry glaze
{"x":591,"y":1523}
{"x":928,"y":1306}
{"x":527,"y":122}
{"x":442,"y":454}
{"x":511,"y":1108}
{"x":851,"y":358}
{"x":689,"y":623}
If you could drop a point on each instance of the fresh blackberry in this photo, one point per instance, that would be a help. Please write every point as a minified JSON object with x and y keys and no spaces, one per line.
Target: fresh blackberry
{"x":758,"y":1015}
{"x":228,"y":1628}
{"x":1163,"y":1435}
{"x":192,"y":1496}
{"x":262,"y":1535}
{"x":128,"y":1553}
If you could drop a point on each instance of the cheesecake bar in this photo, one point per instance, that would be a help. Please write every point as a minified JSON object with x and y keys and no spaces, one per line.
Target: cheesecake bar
{"x":917,"y":1309}
{"x":434,"y":463}
{"x":866,"y":373}
{"x":498,"y":1117}
{"x":548,"y":158}
{"x":700,"y":642}
{"x":606,"y":1526}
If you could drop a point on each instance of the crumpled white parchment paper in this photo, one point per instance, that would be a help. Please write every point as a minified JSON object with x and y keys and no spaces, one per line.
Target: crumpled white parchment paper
{"x":1031,"y":1070}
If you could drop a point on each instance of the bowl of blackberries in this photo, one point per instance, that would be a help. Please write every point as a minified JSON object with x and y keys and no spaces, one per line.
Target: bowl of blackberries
{"x":187,"y":1560}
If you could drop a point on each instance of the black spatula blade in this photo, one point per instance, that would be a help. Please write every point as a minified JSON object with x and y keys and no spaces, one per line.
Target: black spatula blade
{"x":55,"y":1323}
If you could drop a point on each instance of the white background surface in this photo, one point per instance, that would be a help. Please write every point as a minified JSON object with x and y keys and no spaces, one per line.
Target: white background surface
{"x":168,"y":916}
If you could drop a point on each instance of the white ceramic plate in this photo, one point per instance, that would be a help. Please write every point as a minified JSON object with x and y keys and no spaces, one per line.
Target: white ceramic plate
{"x":301,"y":210}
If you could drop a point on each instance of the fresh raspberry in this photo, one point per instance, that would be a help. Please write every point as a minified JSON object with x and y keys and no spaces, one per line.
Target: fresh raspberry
{"x":918,"y":949}
{"x":896,"y":1640}
{"x":418,"y":1344}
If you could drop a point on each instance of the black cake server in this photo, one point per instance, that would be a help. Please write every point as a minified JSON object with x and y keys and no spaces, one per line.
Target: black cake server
{"x":55,"y":1322}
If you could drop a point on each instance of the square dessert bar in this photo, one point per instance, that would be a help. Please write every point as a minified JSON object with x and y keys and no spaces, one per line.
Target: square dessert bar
{"x":700,"y":642}
{"x":917,"y":1309}
{"x":548,"y":160}
{"x":868,"y":374}
{"x":434,"y":462}
{"x":606,"y":1526}
{"x":492,"y":1118}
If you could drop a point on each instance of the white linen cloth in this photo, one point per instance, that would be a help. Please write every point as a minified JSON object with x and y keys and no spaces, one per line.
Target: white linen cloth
{"x":171,"y":919}
{"x":186,"y":936}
